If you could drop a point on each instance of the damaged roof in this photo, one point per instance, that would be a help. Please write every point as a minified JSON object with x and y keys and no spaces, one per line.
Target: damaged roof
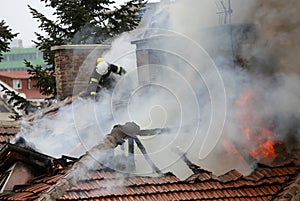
{"x":279,"y":182}
{"x":8,"y":130}
{"x":7,"y":133}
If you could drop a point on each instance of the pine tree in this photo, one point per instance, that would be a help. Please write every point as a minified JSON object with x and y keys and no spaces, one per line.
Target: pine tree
{"x":6,"y":37}
{"x":79,"y":22}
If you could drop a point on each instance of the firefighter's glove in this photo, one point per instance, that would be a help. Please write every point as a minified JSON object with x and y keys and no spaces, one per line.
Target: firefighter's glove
{"x":123,"y":71}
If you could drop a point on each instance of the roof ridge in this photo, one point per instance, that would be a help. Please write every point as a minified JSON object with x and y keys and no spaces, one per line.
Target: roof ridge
{"x":290,"y":162}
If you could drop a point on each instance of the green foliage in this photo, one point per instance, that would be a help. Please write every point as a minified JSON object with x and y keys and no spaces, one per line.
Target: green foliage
{"x":5,"y":37}
{"x":77,"y":22}
{"x":44,"y":78}
{"x":80,"y":22}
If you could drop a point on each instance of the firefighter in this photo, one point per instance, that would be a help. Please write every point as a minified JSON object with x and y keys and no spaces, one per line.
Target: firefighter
{"x":100,"y":77}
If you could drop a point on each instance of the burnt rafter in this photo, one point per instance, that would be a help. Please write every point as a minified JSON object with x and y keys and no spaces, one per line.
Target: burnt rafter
{"x":12,"y":153}
{"x":146,"y":156}
{"x":195,"y":168}
{"x":99,"y":154}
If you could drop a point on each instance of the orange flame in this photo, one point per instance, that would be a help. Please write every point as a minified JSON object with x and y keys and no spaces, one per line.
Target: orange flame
{"x":231,"y":149}
{"x":261,"y":146}
{"x":265,"y":150}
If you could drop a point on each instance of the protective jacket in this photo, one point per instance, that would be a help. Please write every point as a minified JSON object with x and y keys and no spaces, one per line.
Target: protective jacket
{"x":100,"y":77}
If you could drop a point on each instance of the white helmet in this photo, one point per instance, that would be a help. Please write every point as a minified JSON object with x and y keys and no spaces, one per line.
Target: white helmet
{"x":102,"y":67}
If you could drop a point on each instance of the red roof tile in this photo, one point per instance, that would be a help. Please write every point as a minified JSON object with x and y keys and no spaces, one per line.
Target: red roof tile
{"x":9,"y":130}
{"x":7,"y":133}
{"x":292,"y":190}
{"x":264,"y":183}
{"x":5,"y":138}
{"x":230,"y":176}
{"x":15,"y":74}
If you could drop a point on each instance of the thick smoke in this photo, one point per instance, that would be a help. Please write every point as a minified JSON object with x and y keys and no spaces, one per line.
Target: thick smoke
{"x":267,"y":73}
{"x":78,"y":126}
{"x":193,"y":90}
{"x":279,"y":28}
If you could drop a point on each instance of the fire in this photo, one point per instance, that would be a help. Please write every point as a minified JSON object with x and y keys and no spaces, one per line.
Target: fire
{"x":257,"y":138}
{"x":231,"y":149}
{"x":265,"y":150}
{"x":244,"y":99}
{"x":244,"y":113}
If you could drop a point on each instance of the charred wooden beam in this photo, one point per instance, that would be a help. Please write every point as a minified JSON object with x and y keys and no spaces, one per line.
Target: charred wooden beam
{"x":98,"y":155}
{"x":195,"y":168}
{"x":131,"y":153}
{"x":146,"y":156}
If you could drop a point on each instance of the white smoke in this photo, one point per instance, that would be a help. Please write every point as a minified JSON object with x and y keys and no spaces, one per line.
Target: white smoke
{"x":74,"y":128}
{"x":197,"y":92}
{"x":186,"y":91}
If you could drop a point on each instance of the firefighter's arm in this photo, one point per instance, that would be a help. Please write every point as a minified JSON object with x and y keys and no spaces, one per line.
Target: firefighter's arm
{"x":117,"y":69}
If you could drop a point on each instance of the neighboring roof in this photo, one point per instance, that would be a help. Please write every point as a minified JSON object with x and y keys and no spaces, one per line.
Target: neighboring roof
{"x":15,"y":74}
{"x":8,"y":132}
{"x":21,"y":50}
{"x":264,"y":183}
{"x":18,"y":62}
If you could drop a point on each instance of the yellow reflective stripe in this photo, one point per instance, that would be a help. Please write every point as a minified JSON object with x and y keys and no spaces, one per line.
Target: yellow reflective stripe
{"x":118,"y":69}
{"x":93,"y":93}
{"x":100,"y":86}
{"x":94,"y":80}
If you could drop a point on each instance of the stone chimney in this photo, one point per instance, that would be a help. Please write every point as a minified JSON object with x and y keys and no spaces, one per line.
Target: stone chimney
{"x":73,"y":66}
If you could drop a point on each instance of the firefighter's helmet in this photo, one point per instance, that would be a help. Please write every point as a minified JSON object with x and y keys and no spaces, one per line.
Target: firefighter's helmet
{"x":102,"y":68}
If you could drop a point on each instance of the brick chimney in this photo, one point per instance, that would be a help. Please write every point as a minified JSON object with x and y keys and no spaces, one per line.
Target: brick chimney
{"x":73,"y":66}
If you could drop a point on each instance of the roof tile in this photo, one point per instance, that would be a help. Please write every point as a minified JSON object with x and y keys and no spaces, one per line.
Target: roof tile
{"x":230,"y":176}
{"x":255,"y":176}
{"x":292,"y":190}
{"x":38,"y":187}
{"x":262,"y":184}
{"x":20,"y":196}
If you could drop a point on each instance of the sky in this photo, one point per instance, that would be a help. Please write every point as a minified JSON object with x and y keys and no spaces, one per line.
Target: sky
{"x":17,"y":16}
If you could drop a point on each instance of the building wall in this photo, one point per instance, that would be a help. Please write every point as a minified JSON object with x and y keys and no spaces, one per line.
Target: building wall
{"x":7,"y":80}
{"x":26,"y":86}
{"x":21,"y":174}
{"x":73,"y":66}
{"x":226,"y":45}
